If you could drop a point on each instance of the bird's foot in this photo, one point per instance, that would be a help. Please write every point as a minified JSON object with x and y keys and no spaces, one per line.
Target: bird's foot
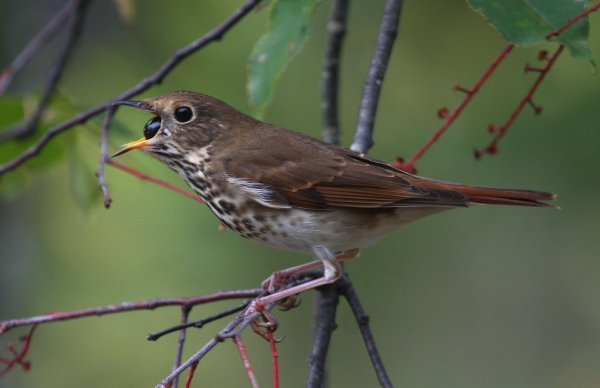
{"x":265,"y":322}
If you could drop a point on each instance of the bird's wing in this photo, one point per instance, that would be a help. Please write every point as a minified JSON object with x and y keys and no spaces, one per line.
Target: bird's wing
{"x":310,"y":174}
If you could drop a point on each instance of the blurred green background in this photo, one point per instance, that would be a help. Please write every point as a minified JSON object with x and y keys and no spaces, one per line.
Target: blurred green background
{"x":484,"y":297}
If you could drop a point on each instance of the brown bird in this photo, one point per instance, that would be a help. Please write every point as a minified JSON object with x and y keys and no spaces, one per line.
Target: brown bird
{"x":290,"y":191}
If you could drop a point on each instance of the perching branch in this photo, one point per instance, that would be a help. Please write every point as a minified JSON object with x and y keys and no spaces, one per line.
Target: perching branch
{"x":327,"y":298}
{"x":363,"y":135}
{"x":52,"y":75}
{"x":156,"y":78}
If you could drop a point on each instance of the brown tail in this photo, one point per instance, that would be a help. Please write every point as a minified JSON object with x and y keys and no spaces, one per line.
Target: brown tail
{"x":495,"y":196}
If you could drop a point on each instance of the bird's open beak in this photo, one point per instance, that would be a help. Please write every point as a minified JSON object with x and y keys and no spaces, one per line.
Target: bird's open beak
{"x":139,"y":143}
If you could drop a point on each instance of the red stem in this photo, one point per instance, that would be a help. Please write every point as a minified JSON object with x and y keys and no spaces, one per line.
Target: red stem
{"x":190,"y":375}
{"x":153,"y":180}
{"x":274,"y":357}
{"x":240,"y":345}
{"x":409,"y":166}
{"x":573,"y":20}
{"x":491,"y":148}
{"x":19,"y":356}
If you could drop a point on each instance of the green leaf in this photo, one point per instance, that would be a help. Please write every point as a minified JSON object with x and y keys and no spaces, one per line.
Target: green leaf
{"x":287,"y":30}
{"x":527,"y":22}
{"x":12,"y":113}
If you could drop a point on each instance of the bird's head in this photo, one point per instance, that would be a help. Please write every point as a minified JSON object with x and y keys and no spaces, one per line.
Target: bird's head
{"x":184,"y":122}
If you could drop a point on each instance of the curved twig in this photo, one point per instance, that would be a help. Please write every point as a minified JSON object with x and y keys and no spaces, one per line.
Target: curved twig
{"x":52,"y":75}
{"x":156,"y":78}
{"x":104,"y":155}
{"x":35,"y":44}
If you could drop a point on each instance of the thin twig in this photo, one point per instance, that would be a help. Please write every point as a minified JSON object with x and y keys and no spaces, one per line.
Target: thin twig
{"x":492,"y":148}
{"x":199,"y":323}
{"x":185,"y":313}
{"x":104,"y":155}
{"x":149,"y":178}
{"x":18,"y":356}
{"x":237,"y":340}
{"x":126,"y":306}
{"x":363,"y":324}
{"x":156,"y":78}
{"x":35,"y":44}
{"x":240,"y":318}
{"x":327,"y":298}
{"x":450,"y":118}
{"x":274,"y":357}
{"x":573,"y":20}
{"x":363,"y":135}
{"x":188,"y":381}
{"x":336,"y":29}
{"x":52,"y":75}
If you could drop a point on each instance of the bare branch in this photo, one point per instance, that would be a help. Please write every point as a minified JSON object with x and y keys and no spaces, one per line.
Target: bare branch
{"x":363,"y":324}
{"x":52,"y":75}
{"x":156,"y":78}
{"x":35,"y":44}
{"x":199,"y":323}
{"x":118,"y":308}
{"x":185,"y":313}
{"x":326,"y":300}
{"x":363,"y":136}
{"x":336,"y":29}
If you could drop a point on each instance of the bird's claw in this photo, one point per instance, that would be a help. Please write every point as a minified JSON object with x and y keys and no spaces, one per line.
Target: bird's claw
{"x":275,"y":280}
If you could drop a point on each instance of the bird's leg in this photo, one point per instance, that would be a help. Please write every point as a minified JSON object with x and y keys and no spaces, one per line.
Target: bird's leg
{"x":277,"y":278}
{"x":333,"y":270}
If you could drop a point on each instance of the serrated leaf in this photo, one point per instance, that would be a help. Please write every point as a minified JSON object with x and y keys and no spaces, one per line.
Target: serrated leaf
{"x":287,"y":31}
{"x":527,"y":22}
{"x":126,"y":10}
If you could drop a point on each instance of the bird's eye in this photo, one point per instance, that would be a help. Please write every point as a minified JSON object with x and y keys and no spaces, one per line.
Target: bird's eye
{"x":183,"y":114}
{"x":151,"y":128}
